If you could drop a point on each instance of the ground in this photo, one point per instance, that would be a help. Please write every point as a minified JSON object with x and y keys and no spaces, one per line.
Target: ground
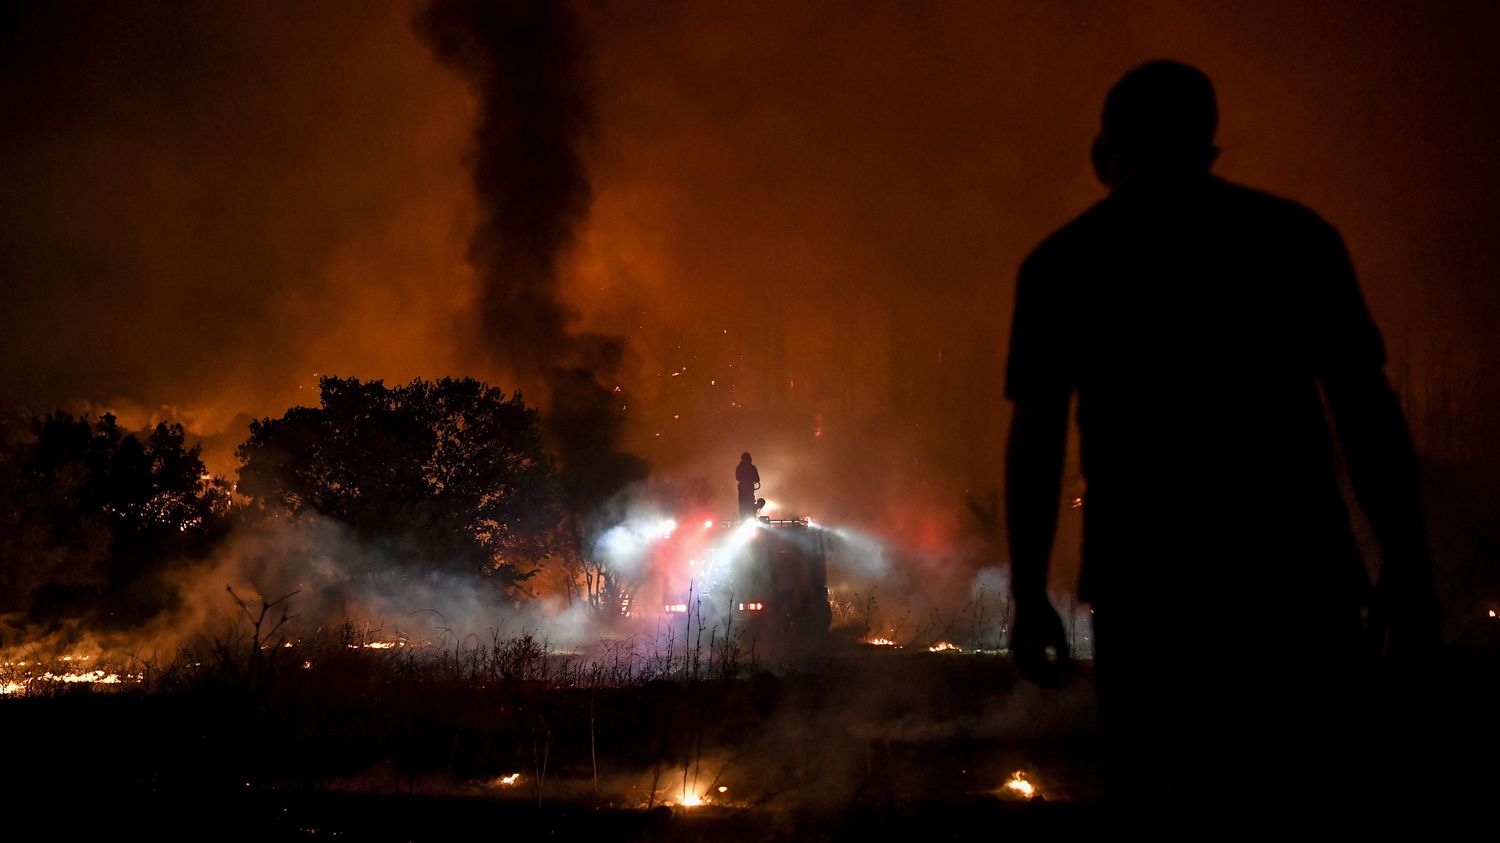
{"x":864,"y":743}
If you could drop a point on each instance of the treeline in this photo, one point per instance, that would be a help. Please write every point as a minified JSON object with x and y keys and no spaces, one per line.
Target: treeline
{"x":442,"y":476}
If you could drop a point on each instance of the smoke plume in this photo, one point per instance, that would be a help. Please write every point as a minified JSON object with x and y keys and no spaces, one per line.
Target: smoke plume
{"x":528,"y":64}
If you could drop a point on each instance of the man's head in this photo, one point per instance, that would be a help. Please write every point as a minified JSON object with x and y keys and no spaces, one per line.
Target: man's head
{"x":745,"y":457}
{"x":1159,"y":123}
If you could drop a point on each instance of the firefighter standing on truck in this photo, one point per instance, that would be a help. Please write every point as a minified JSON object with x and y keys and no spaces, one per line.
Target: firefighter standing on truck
{"x":749,"y":480}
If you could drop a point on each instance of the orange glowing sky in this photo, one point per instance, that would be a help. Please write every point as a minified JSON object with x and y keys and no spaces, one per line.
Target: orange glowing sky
{"x":813,"y":213}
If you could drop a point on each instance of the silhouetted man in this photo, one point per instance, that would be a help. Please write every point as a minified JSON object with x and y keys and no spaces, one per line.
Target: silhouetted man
{"x":749,"y":480}
{"x":1209,"y":333}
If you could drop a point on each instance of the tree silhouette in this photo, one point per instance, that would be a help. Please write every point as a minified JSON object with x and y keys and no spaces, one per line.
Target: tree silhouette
{"x":444,"y":475}
{"x":92,"y":513}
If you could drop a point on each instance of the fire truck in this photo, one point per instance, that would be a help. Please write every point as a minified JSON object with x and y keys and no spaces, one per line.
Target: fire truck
{"x":766,"y":576}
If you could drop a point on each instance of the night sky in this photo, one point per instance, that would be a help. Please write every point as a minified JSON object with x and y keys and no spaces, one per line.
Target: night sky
{"x":802,"y":220}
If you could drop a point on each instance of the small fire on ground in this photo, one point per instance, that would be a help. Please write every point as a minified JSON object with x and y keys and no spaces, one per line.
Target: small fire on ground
{"x":1019,"y":787}
{"x":374,"y":645}
{"x":690,"y":798}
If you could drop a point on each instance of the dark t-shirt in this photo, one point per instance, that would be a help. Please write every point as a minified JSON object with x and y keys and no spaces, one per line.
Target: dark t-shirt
{"x":1193,"y":330}
{"x":746,"y":475}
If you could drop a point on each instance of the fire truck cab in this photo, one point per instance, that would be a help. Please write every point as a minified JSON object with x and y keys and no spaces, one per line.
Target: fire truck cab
{"x":783,"y":574}
{"x":765,"y":576}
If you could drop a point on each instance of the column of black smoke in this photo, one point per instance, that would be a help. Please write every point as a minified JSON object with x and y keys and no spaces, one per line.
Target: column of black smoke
{"x":528,"y":62}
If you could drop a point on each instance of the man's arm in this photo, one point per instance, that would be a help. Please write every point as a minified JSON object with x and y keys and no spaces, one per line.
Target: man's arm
{"x":1382,"y":467}
{"x":1349,"y":356}
{"x":1033,"y":480}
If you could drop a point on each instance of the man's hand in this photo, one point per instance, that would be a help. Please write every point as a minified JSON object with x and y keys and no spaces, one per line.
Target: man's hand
{"x":1038,"y":630}
{"x":1406,"y":628}
{"x":1033,"y":480}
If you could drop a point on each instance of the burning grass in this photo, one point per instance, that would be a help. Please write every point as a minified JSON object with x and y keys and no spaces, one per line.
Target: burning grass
{"x":685,"y":723}
{"x":36,"y":671}
{"x":266,"y":648}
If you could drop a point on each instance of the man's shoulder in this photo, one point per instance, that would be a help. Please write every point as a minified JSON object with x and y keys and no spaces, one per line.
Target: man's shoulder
{"x":1073,"y":238}
{"x":1274,"y":215}
{"x":1269,"y":206}
{"x":1249,"y":209}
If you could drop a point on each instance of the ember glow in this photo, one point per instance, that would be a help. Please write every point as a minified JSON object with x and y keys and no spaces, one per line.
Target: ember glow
{"x":943,"y":647}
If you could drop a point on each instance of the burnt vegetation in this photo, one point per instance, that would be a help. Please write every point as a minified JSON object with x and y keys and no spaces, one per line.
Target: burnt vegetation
{"x":341,"y":730}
